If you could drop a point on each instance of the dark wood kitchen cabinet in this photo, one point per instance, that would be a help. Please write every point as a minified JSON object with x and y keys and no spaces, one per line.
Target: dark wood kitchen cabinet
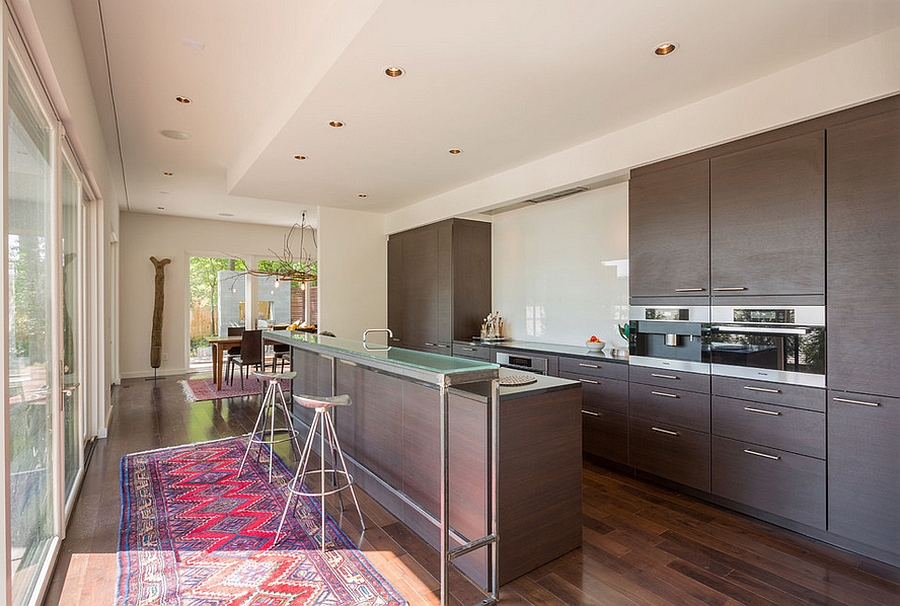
{"x":768,"y":448}
{"x":604,"y":405}
{"x":668,"y":218}
{"x":668,"y":425}
{"x":864,"y":469}
{"x":439,"y":283}
{"x":767,"y":220}
{"x":863,"y":314}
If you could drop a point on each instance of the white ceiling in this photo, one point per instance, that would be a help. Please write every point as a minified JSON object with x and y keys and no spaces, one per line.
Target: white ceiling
{"x":505,"y":81}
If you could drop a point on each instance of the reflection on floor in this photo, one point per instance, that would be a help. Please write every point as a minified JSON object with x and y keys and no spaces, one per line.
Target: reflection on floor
{"x":642,"y":544}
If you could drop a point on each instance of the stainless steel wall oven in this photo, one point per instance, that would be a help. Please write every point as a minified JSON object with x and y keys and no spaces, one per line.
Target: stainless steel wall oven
{"x":769,"y":343}
{"x":670,"y":337}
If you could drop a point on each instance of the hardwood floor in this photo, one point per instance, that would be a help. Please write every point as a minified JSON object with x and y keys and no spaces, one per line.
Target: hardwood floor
{"x":643,"y":544}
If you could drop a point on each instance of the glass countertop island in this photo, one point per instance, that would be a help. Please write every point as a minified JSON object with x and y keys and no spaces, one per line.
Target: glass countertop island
{"x":422,"y":366}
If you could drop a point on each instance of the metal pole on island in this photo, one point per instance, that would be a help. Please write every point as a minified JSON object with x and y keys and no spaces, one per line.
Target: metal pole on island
{"x":158,"y":300}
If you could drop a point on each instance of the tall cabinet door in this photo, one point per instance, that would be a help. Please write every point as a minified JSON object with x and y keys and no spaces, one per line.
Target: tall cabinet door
{"x":767,"y":219}
{"x":420,"y":289}
{"x":668,"y":215}
{"x":395,"y":287}
{"x":863,"y":251}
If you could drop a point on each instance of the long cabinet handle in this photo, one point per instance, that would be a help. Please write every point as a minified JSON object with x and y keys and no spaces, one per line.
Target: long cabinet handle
{"x":665,"y":395}
{"x":690,"y":290}
{"x":730,"y":288}
{"x":589,"y":365}
{"x":762,"y":454}
{"x":665,"y":431}
{"x":862,"y":402}
{"x":469,"y":349}
{"x":762,"y":389}
{"x":658,"y":376}
{"x":591,"y":413}
{"x":773,"y":413}
{"x":590,"y":381}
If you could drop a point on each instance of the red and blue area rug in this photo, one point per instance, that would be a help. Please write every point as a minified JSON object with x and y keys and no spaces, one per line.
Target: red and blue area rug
{"x":192,"y":533}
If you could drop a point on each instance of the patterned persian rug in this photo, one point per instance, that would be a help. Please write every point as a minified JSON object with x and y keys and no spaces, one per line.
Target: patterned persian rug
{"x":196,"y":390}
{"x":194,"y":534}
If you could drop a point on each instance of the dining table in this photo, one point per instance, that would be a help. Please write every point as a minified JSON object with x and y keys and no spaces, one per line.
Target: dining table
{"x":219,"y":346}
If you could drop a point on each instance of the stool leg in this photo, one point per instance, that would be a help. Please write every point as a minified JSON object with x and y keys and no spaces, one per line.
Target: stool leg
{"x":340,"y":455}
{"x":287,"y":417}
{"x":259,"y":417}
{"x":300,"y":473}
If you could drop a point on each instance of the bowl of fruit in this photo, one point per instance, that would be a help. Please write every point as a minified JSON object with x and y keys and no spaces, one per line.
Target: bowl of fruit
{"x":594,"y":344}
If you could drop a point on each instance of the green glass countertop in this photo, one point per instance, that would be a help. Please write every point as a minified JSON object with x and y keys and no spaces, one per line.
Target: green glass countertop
{"x":427,"y":362}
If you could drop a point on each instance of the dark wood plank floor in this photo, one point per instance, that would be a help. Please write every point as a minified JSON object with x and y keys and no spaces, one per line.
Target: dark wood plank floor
{"x":643,"y":544}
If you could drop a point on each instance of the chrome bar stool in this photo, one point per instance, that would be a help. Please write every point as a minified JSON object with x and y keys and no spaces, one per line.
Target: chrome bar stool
{"x":341,"y":478}
{"x":264,"y":430}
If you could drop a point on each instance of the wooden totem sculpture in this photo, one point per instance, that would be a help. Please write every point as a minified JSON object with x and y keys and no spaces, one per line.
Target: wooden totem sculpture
{"x":158,"y":300}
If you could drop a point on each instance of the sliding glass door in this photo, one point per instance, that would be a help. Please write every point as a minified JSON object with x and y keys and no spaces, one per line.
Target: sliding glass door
{"x":72,"y":321}
{"x":31,"y":368}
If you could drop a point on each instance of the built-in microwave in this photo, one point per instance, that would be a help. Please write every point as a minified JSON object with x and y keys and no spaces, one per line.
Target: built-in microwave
{"x":783,"y":344}
{"x":669,"y":337}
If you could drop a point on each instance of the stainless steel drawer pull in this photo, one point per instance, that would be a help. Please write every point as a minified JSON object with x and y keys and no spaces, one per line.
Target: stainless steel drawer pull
{"x":762,"y":454}
{"x":430,"y":344}
{"x":469,"y":349}
{"x":664,"y":394}
{"x":863,"y":402}
{"x":589,"y":365}
{"x":589,"y":381}
{"x":730,"y":288}
{"x":591,"y":413}
{"x":690,"y":289}
{"x":774,"y":413}
{"x":665,"y":431}
{"x":658,"y":376}
{"x":762,"y":389}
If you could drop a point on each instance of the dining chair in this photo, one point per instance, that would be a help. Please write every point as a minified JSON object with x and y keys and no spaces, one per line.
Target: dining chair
{"x":251,"y":354}
{"x":233,"y":352}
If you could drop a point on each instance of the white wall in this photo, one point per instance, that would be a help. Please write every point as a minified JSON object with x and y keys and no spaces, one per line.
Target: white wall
{"x":352,"y":272}
{"x":142,"y":236}
{"x":560,"y":268}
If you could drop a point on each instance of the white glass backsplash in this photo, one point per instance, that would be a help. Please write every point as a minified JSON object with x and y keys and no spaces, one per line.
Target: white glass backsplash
{"x":561,"y":268}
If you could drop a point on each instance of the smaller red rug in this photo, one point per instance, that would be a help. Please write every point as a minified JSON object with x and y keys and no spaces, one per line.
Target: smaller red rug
{"x":204,"y":389}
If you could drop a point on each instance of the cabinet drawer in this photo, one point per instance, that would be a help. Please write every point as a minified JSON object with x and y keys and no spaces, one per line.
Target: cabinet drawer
{"x":785,"y":484}
{"x":670,"y":406}
{"x":782,"y":394}
{"x":605,"y":435}
{"x":593,"y":368}
{"x":475,"y":352}
{"x":670,"y":378}
{"x":790,"y":429}
{"x":601,"y":394}
{"x":670,"y":452}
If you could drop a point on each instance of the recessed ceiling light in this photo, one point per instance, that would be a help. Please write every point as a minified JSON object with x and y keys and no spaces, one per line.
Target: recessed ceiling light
{"x":362,"y":195}
{"x":175,"y":134}
{"x":299,"y":157}
{"x":666,"y":48}
{"x":183,"y":99}
{"x":393,"y":72}
{"x":454,"y":151}
{"x":336,"y":123}
{"x":168,"y":174}
{"x":226,"y":214}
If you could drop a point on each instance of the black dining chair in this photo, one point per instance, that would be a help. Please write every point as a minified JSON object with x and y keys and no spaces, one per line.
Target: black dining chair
{"x":251,"y":354}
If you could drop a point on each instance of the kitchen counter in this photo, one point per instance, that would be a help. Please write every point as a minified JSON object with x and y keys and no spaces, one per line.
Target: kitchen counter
{"x":391,"y":436}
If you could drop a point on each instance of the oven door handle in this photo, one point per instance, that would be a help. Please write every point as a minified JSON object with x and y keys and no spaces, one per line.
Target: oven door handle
{"x":760,"y":329}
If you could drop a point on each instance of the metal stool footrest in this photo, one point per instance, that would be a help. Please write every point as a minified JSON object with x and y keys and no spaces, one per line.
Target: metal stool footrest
{"x":264,"y":430}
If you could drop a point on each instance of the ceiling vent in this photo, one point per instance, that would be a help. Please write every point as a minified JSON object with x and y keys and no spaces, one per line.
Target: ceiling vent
{"x":532,"y":201}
